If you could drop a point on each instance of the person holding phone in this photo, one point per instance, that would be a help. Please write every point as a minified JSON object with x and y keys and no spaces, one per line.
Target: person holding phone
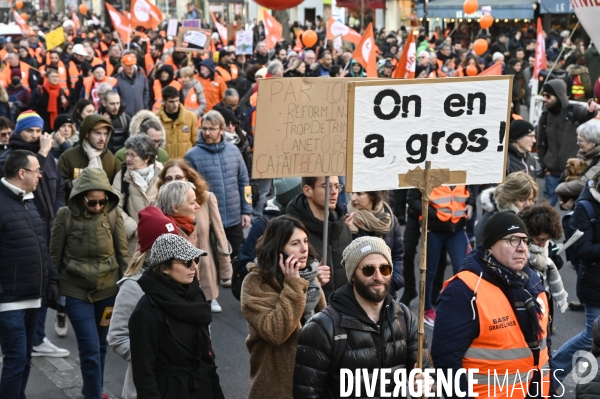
{"x":279,"y":295}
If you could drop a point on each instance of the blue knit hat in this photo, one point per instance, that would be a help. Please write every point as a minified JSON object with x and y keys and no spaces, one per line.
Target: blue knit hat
{"x":27,"y":120}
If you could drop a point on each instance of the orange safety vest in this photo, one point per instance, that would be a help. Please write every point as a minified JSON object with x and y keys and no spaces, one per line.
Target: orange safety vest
{"x":213,"y":90}
{"x":191,"y":102}
{"x":96,"y":61}
{"x":253,"y":102}
{"x":170,"y":61}
{"x":6,"y":72}
{"x":158,"y":101}
{"x":225,"y":73}
{"x":109,"y":68}
{"x":3,"y":53}
{"x":90,"y":85}
{"x":578,"y":90}
{"x":450,"y":203}
{"x":500,"y":347}
{"x":168,"y":44}
{"x":104,"y":50}
{"x":73,"y":74}
{"x":62,"y":75}
{"x":149,"y":63}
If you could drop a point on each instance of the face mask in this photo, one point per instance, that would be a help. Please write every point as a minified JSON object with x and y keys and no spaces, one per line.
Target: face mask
{"x":205,"y":75}
{"x":15,"y":81}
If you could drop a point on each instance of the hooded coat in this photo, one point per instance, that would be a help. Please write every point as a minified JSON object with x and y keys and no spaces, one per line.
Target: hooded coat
{"x":72,"y":161}
{"x":338,"y":239}
{"x":557,"y":131}
{"x":370,"y":345}
{"x":214,"y":85}
{"x":489,"y":208}
{"x":135,"y":127}
{"x":92,"y":256}
{"x":49,"y":195}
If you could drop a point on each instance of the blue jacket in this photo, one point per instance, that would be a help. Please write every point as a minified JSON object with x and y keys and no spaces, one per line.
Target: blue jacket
{"x":25,"y":265}
{"x":223,"y":167}
{"x":587,"y":249}
{"x":457,"y":327}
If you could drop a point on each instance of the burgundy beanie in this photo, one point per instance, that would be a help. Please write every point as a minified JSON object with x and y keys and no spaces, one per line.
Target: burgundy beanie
{"x":152,"y":224}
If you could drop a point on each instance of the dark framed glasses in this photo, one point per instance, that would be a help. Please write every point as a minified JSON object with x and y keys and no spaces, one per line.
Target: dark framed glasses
{"x":515,"y":241}
{"x":369,"y":270}
{"x":94,"y":203}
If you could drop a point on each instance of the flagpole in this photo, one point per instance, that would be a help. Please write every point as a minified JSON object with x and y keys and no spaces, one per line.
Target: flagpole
{"x":558,"y":58}
{"x":128,"y":37}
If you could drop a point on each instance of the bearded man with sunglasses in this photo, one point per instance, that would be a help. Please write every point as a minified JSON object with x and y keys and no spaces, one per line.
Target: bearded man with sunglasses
{"x":494,"y":316}
{"x":362,"y":328}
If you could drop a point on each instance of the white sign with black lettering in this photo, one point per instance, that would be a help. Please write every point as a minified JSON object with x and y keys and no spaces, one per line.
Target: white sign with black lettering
{"x":460,"y":124}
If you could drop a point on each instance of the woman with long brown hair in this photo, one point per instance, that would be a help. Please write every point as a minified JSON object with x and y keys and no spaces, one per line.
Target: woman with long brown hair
{"x":197,"y":224}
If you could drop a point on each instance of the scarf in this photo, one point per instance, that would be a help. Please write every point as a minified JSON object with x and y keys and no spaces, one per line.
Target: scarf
{"x":185,"y":223}
{"x":548,"y":272}
{"x":93,"y":155}
{"x":376,"y":221}
{"x":53,"y":95}
{"x":143,"y":177}
{"x":74,"y":139}
{"x":185,"y":303}
{"x":313,"y":294}
{"x":524,"y":305}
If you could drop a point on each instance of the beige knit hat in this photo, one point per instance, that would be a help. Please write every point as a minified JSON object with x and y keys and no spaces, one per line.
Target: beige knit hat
{"x":360,"y":249}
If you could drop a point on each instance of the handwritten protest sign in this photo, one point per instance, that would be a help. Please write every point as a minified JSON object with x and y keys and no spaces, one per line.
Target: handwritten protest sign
{"x":191,"y":39}
{"x":459,"y":124}
{"x":301,"y":127}
{"x":243,"y":41}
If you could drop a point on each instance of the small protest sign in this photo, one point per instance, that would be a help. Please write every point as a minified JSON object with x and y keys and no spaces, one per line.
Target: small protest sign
{"x":459,"y":124}
{"x":191,"y":23}
{"x":55,"y":38}
{"x":243,"y":41}
{"x":191,"y":39}
{"x":172,"y":27}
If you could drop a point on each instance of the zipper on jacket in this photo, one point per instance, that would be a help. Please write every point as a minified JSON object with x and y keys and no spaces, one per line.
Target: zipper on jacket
{"x":39,"y":252}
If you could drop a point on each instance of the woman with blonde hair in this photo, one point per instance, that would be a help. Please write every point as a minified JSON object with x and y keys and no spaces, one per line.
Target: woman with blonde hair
{"x":518,"y":191}
{"x":197,"y":223}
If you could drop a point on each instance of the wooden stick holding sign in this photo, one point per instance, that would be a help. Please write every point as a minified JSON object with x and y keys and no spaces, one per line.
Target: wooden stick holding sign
{"x":326,"y":229}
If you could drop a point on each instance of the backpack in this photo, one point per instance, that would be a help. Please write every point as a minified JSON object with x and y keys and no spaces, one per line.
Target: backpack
{"x":237,"y":278}
{"x":569,"y":230}
{"x":124,"y":188}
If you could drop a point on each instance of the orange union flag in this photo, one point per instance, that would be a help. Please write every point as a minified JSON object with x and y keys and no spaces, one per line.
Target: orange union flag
{"x":365,"y":53}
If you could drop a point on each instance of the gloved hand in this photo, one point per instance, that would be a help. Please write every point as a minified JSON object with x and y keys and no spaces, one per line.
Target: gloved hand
{"x":52,"y":294}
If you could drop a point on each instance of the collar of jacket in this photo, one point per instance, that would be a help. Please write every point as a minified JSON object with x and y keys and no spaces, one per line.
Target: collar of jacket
{"x":354,"y":316}
{"x":515,"y":151}
{"x":214,"y":148}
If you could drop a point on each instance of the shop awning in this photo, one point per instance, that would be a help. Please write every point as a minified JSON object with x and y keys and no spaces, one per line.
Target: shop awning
{"x":501,"y":9}
{"x":555,"y":7}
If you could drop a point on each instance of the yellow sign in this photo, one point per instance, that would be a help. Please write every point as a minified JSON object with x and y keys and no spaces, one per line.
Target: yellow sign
{"x":55,"y":38}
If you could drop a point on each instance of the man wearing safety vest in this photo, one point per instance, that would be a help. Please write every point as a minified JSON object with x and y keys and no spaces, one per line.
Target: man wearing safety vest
{"x":56,"y":64}
{"x":449,"y":209}
{"x":91,"y":83}
{"x":213,"y":83}
{"x":13,"y":62}
{"x":494,"y":316}
{"x":227,"y":68}
{"x":192,"y":92}
{"x":164,"y":76}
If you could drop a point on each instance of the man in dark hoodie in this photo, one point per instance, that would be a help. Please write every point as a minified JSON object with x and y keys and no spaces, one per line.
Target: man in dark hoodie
{"x":163,"y":77}
{"x":557,"y":133}
{"x":94,"y":135}
{"x":115,"y":111}
{"x":521,"y":141}
{"x":383,"y":332}
{"x":309,"y":208}
{"x":480,"y":324}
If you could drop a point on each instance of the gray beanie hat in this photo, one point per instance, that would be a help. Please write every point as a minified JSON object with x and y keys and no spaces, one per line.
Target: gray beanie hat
{"x":172,"y":246}
{"x":359,"y":249}
{"x":286,"y":189}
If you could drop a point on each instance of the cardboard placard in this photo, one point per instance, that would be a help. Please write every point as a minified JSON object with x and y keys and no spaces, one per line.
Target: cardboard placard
{"x":189,"y":39}
{"x":459,"y":124}
{"x":243,"y":41}
{"x":191,"y":23}
{"x":301,"y":127}
{"x":172,"y":27}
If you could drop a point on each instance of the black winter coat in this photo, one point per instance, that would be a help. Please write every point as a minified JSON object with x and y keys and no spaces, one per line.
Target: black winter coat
{"x":369,"y":345}
{"x":587,"y":250}
{"x":339,"y":238}
{"x":25,"y":266}
{"x":49,"y":195}
{"x":517,"y":161}
{"x":120,"y":124}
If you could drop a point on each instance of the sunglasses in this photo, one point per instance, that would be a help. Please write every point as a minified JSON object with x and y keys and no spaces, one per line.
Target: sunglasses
{"x":369,"y":270}
{"x":94,"y":203}
{"x":190,"y":263}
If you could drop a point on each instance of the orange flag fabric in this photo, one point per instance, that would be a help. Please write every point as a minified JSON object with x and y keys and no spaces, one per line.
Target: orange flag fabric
{"x":336,"y":28}
{"x":120,"y":22}
{"x":221,"y":29}
{"x":365,"y":52}
{"x":144,"y":14}
{"x":407,"y":64}
{"x":273,"y":30}
{"x":493,"y":70}
{"x":21,"y":22}
{"x":540,"y":51}
{"x":75,"y":20}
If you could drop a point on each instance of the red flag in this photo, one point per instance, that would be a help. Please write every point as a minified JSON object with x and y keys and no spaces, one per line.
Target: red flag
{"x":120,"y":22}
{"x":540,"y":51}
{"x":20,"y":21}
{"x":75,"y":20}
{"x":336,"y":28}
{"x":273,"y":30}
{"x":144,"y":14}
{"x":155,"y":14}
{"x":493,"y":70}
{"x":221,"y":29}
{"x":407,"y":64}
{"x":365,"y":52}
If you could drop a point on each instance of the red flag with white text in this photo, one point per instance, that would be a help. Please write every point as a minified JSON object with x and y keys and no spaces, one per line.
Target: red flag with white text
{"x":365,"y":52}
{"x":273,"y":30}
{"x":120,"y":22}
{"x":336,"y":28}
{"x":405,"y":69}
{"x":540,"y":51}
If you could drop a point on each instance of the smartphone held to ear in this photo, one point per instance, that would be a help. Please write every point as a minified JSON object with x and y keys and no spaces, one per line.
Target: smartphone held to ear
{"x":285,"y":256}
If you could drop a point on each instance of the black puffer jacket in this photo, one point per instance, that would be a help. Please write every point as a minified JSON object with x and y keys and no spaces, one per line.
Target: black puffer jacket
{"x":369,"y":345}
{"x":339,"y":238}
{"x":518,"y":161}
{"x":24,"y":255}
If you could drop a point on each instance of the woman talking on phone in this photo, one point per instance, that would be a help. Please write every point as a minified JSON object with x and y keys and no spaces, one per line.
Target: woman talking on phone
{"x":280,"y":293}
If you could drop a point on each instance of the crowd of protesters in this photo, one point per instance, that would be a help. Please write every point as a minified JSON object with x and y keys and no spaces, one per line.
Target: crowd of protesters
{"x":127,"y":186}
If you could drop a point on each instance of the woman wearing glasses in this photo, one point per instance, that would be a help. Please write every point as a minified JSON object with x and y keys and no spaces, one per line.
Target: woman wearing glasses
{"x":171,"y":350}
{"x":184,"y":198}
{"x":146,"y":122}
{"x":136,"y":183}
{"x":89,"y":249}
{"x":279,"y":295}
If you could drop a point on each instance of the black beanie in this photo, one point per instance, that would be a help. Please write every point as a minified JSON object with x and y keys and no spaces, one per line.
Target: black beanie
{"x":548,"y":89}
{"x":61,"y":120}
{"x":519,"y":129}
{"x":500,"y":225}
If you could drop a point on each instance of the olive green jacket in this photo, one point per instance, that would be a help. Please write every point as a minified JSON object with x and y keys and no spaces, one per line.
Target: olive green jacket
{"x":92,"y":256}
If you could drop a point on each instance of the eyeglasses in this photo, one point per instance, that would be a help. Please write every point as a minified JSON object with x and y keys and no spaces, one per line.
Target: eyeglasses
{"x":369,"y":270}
{"x":581,"y":141}
{"x":210,"y":129}
{"x":334,"y":187}
{"x":38,"y":172}
{"x":190,"y":263}
{"x":131,"y":155}
{"x":176,"y":178}
{"x":230,"y":123}
{"x":94,"y":203}
{"x":516,"y":241}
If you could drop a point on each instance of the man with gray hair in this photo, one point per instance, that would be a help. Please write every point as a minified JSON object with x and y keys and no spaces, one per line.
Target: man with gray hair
{"x":231,"y":100}
{"x":261,"y":56}
{"x":275,"y":69}
{"x":310,"y":58}
{"x":115,"y":111}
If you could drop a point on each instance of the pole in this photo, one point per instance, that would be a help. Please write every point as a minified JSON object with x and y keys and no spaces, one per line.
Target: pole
{"x":362,"y":15}
{"x":425,"y":192}
{"x":558,"y":58}
{"x":326,"y":230}
{"x":425,"y":11}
